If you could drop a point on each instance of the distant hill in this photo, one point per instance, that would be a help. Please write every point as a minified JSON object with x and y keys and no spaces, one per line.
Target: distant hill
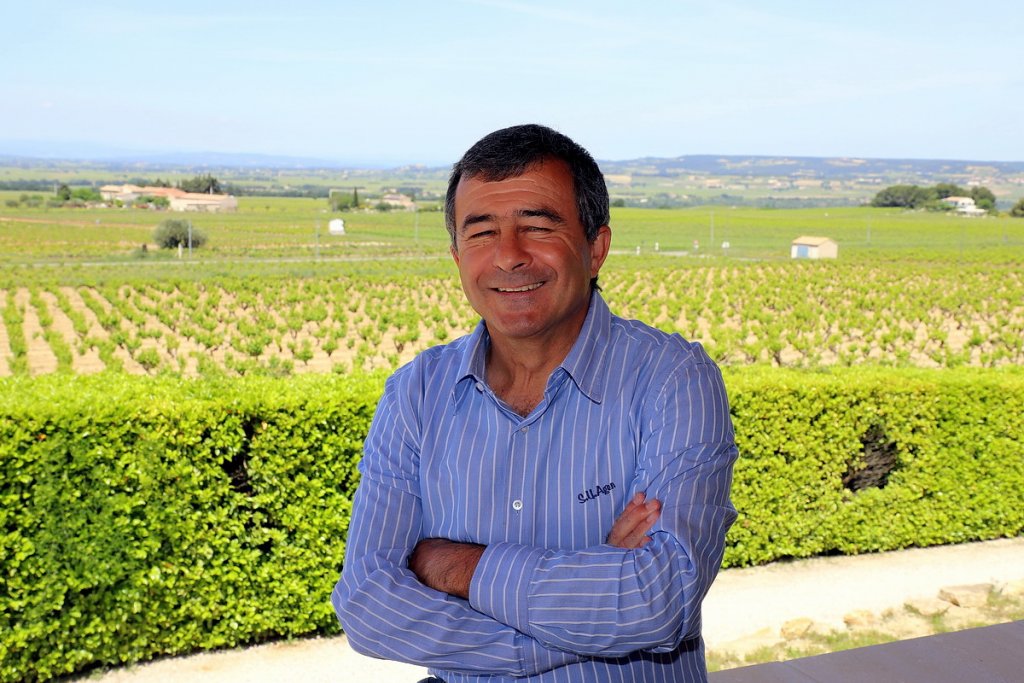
{"x":809,"y":167}
{"x":734,"y":180}
{"x":839,"y":168}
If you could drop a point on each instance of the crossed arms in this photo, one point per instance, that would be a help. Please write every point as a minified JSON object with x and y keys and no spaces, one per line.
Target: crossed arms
{"x":448,"y":566}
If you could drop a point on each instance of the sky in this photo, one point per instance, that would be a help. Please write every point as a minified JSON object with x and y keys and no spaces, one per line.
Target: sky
{"x":382,"y":83}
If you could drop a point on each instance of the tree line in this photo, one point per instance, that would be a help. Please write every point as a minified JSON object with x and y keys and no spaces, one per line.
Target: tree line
{"x":917,"y":197}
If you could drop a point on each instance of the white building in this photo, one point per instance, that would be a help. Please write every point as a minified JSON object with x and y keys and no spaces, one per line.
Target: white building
{"x":965,"y":206}
{"x":814,"y":247}
{"x":192,"y":201}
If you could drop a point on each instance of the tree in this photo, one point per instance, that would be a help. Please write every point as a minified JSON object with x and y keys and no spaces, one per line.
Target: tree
{"x":174,"y":231}
{"x":983,"y":198}
{"x":340,"y":202}
{"x":1018,"y":209}
{"x":64,"y":192}
{"x":87,"y":194}
{"x":904,"y":196}
{"x":205,"y":184}
{"x":943,"y":190}
{"x":149,"y":200}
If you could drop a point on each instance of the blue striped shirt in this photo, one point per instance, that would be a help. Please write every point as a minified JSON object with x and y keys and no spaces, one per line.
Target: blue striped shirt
{"x":630,"y":409}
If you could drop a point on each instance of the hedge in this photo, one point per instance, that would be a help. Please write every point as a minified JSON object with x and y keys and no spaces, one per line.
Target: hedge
{"x":852,"y":460}
{"x":142,"y":517}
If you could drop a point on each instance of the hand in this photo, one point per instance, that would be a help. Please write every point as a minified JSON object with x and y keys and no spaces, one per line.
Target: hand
{"x":445,"y":565}
{"x":630,"y":529}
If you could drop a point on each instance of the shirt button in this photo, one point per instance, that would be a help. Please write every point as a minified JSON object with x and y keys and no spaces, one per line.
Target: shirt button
{"x":524,"y":429}
{"x":517,"y":505}
{"x":479,"y":386}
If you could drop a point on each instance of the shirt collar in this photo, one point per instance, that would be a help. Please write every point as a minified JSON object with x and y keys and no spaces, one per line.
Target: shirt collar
{"x":585,"y":362}
{"x":473,"y":357}
{"x":587,"y":359}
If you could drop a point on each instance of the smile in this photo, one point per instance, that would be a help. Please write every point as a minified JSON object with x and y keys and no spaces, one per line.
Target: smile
{"x":524,"y":288}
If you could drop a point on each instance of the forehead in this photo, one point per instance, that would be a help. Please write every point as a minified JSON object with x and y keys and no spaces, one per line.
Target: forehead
{"x":546,"y":184}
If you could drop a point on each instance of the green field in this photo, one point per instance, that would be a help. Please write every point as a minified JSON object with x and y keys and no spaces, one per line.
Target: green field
{"x":297,"y":227}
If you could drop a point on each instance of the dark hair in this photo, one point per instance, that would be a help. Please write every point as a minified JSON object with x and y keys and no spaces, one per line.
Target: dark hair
{"x":510,"y":152}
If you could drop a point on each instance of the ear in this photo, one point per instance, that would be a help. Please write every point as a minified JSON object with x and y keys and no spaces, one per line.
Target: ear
{"x":599,"y":249}
{"x":455,"y":254}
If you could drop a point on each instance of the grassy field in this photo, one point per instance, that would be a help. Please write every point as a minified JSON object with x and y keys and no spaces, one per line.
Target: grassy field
{"x":297,"y":227}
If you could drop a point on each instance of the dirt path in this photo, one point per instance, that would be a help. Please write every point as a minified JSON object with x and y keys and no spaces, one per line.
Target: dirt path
{"x":745,"y":607}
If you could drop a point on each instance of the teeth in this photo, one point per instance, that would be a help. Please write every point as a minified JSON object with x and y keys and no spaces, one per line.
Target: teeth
{"x":525,"y":288}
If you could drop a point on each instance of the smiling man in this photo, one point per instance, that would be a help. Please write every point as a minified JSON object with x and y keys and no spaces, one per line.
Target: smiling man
{"x":545,"y":499}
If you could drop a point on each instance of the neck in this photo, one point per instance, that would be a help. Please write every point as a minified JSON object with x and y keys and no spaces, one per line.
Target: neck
{"x":518,"y":370}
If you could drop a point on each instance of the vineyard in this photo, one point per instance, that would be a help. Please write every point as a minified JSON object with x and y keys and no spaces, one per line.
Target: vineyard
{"x":781,"y":314}
{"x":271,"y":296}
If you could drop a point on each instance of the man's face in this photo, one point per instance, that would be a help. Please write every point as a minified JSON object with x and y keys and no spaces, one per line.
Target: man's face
{"x":523,"y":257}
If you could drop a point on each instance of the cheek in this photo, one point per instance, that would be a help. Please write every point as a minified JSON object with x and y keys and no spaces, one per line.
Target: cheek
{"x":469,"y":272}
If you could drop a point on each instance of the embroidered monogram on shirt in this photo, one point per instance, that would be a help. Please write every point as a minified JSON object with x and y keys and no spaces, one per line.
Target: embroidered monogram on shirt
{"x":595,"y":493}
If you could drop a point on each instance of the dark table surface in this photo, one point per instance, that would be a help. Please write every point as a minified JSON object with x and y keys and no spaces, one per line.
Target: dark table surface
{"x":991,"y":654}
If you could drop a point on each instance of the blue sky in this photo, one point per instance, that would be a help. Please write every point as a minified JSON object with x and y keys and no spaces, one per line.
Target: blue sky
{"x":388,"y":83}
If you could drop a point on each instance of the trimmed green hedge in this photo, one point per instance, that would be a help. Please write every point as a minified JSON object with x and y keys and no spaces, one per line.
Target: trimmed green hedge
{"x":947,"y":447}
{"x":142,"y":517}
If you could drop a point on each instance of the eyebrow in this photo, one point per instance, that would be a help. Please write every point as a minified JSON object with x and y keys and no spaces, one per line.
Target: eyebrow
{"x":549,"y":214}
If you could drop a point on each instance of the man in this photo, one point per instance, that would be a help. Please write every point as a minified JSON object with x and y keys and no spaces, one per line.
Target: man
{"x":547,"y":498}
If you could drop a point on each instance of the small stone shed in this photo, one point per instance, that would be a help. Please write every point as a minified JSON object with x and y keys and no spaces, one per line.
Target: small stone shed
{"x":814,"y":247}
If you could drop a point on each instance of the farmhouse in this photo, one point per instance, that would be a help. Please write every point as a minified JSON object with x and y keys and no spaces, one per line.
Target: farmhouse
{"x":191,"y":201}
{"x":814,"y":247}
{"x":179,"y":199}
{"x":964,"y":205}
{"x":398,"y":201}
{"x":129,"y":193}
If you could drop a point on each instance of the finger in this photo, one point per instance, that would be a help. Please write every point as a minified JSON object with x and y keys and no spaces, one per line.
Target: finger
{"x":636,"y":520}
{"x":638,"y":536}
{"x":630,"y":518}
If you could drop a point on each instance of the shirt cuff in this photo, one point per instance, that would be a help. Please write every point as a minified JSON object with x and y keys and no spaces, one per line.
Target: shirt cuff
{"x":501,"y":583}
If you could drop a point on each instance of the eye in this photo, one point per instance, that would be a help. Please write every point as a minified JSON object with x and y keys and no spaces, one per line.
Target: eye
{"x":479,"y":234}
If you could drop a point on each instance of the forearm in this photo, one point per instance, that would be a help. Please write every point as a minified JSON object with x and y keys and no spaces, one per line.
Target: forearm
{"x":445,"y":565}
{"x":448,"y":566}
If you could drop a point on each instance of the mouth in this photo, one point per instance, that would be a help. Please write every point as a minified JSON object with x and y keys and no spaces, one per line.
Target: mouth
{"x":515,"y":290}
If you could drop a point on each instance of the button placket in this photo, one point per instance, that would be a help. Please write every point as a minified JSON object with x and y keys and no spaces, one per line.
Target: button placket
{"x":518,"y":467}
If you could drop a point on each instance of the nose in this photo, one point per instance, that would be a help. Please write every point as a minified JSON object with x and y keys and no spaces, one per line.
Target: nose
{"x":509,"y":253}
